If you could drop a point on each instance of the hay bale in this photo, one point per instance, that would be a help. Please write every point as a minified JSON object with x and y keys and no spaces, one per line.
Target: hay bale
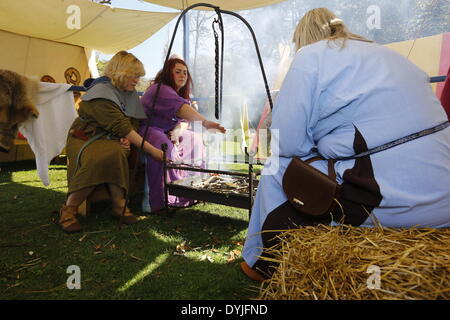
{"x":333,"y":262}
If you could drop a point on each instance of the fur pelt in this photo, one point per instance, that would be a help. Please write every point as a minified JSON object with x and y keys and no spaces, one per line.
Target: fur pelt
{"x":17,"y":96}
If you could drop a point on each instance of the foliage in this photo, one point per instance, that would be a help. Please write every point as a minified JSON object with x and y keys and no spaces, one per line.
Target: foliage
{"x":101,"y":64}
{"x":143,"y":84}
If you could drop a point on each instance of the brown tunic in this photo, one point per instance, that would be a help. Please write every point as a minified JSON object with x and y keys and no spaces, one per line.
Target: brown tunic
{"x":104,"y":160}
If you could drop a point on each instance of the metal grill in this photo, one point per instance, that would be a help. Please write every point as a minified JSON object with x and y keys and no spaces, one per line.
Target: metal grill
{"x":230,"y":188}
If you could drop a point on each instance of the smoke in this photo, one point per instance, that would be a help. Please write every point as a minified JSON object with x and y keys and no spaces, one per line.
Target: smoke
{"x":383,"y":21}
{"x":274,"y":26}
{"x":243,"y":81}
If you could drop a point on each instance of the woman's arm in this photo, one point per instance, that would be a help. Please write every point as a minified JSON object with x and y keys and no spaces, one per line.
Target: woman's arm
{"x":136,"y":140}
{"x":190,"y":114}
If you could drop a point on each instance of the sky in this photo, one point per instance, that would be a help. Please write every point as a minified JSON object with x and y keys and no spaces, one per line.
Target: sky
{"x":150,"y":52}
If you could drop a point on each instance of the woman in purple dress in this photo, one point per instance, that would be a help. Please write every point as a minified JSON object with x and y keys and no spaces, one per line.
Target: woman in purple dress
{"x":170,"y":117}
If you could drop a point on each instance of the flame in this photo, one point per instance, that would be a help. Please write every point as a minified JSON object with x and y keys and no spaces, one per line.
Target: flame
{"x":244,"y":127}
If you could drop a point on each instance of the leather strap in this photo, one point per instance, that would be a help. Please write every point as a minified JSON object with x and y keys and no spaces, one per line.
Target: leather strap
{"x":314,"y":159}
{"x":96,"y":137}
{"x":397,"y":142}
{"x":331,"y":171}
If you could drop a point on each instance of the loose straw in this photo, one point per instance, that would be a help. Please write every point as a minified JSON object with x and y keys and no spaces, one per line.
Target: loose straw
{"x":327,"y":262}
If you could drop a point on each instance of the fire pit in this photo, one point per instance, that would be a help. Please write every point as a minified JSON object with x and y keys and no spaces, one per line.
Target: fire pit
{"x":222,"y":184}
{"x":235,"y":189}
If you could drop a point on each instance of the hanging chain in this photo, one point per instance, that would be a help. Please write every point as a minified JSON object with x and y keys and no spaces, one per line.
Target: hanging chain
{"x":216,"y":42}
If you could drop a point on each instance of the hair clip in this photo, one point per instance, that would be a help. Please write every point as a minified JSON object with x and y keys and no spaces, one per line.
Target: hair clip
{"x":335,"y":21}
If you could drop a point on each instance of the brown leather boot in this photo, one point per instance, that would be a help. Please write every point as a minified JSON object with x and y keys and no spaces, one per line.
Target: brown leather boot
{"x":67,"y":219}
{"x":128,"y":217}
{"x":251,"y":273}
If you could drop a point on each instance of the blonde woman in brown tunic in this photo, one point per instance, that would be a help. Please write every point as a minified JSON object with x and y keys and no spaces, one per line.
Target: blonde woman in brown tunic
{"x":99,"y":140}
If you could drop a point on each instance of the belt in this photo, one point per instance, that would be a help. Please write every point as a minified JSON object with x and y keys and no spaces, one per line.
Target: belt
{"x":96,"y":137}
{"x":397,"y":142}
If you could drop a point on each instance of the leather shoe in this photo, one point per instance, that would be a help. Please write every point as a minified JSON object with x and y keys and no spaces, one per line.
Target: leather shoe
{"x":67,"y":219}
{"x":128,"y":218}
{"x":251,"y":273}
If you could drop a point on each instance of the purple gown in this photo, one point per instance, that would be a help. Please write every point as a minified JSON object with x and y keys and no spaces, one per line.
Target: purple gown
{"x":190,"y":149}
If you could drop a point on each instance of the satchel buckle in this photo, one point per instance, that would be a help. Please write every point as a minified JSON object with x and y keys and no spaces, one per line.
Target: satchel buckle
{"x":298,"y":202}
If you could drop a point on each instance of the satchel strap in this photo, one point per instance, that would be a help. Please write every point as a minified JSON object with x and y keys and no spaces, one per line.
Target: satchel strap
{"x":314,"y":159}
{"x":331,"y":171}
{"x":397,"y":142}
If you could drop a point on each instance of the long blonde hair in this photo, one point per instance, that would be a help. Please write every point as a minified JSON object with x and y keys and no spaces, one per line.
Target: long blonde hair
{"x":122,"y":66}
{"x":320,"y":24}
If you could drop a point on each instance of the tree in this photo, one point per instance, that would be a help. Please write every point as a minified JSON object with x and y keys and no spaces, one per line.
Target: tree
{"x":198,"y":31}
{"x":429,"y":17}
{"x":100,"y":65}
{"x":143,"y":85}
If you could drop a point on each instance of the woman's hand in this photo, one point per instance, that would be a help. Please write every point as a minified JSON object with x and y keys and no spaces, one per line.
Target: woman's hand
{"x":125,"y":143}
{"x":211,"y":125}
{"x":136,"y":140}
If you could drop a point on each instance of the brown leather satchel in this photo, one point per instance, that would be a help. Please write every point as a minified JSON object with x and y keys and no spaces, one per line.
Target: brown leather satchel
{"x":310,"y":191}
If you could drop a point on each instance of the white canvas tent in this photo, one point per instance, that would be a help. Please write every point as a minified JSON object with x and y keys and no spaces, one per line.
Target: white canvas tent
{"x":37,"y":39}
{"x":41,"y":39}
{"x":101,"y":27}
{"x":233,"y":5}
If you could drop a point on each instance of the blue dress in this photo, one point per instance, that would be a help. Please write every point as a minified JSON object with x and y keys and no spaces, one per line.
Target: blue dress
{"x":343,"y":102}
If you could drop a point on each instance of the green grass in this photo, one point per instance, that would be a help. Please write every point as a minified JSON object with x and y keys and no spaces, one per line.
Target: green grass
{"x":136,"y":262}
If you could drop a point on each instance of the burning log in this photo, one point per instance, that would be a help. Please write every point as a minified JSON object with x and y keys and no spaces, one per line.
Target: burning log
{"x":222,"y":184}
{"x":217,"y":186}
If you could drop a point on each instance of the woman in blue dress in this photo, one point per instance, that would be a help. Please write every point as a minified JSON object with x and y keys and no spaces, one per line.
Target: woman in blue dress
{"x":344,"y":95}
